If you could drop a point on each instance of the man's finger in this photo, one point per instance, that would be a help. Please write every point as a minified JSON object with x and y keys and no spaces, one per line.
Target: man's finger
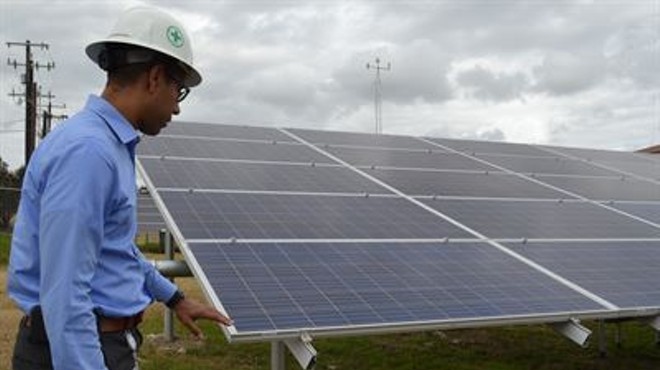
{"x":197,"y":332}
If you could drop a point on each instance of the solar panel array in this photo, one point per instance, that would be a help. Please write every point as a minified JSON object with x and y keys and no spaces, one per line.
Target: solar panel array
{"x":293,"y":230}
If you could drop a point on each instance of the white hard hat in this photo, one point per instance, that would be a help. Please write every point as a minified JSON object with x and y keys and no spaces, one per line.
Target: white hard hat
{"x":151,"y":29}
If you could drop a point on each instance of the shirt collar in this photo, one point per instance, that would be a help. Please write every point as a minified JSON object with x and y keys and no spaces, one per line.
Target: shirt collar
{"x":119,"y":125}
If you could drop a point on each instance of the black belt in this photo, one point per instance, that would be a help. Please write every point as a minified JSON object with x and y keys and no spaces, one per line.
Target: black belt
{"x":106,"y":324}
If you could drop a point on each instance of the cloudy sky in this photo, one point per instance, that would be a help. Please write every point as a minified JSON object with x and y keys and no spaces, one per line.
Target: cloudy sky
{"x":562,"y":72}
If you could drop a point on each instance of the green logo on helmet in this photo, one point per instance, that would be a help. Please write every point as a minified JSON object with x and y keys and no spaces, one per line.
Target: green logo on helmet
{"x":175,"y":36}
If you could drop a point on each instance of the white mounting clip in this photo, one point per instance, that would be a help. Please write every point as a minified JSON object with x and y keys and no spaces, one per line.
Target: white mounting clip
{"x":573,"y":330}
{"x":302,"y":350}
{"x":654,"y":322}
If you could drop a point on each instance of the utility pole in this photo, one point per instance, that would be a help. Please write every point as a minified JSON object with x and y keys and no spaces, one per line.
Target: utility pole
{"x":48,"y":116}
{"x":30,"y":92}
{"x":377,"y":94}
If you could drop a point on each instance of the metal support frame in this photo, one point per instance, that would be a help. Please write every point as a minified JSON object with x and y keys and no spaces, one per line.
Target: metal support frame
{"x":172,"y":269}
{"x":168,"y":319}
{"x":602,"y":338}
{"x":654,"y":322}
{"x":301,"y":349}
{"x":573,"y":330}
{"x":277,"y":356}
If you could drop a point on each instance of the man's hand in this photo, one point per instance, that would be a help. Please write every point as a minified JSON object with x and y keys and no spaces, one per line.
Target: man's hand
{"x":188,"y":310}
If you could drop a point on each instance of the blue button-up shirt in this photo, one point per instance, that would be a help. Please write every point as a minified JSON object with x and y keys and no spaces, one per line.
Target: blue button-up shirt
{"x":73,"y":249}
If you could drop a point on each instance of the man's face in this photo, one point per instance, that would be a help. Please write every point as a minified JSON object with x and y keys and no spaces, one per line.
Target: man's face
{"x":166,"y":92}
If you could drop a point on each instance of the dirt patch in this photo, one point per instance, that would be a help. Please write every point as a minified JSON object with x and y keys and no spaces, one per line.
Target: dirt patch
{"x":8,"y":324}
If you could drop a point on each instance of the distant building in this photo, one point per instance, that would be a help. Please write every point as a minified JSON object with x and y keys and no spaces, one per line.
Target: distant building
{"x":654,"y":149}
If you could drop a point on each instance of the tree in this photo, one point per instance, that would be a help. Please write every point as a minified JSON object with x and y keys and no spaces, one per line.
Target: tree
{"x":10,"y":183}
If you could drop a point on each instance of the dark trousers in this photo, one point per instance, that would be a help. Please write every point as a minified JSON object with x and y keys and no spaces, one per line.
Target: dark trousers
{"x":32,"y":351}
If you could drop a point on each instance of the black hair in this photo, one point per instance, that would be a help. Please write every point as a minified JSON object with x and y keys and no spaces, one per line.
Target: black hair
{"x":125,"y":64}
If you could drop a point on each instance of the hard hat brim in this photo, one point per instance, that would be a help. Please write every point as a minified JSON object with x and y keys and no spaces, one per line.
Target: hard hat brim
{"x":93,"y":50}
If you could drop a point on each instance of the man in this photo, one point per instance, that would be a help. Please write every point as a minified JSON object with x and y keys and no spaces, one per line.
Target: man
{"x":74,"y":268}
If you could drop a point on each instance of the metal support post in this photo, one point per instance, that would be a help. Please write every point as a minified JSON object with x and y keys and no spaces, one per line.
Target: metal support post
{"x":618,"y":337}
{"x":277,"y":356}
{"x":168,"y":320}
{"x":573,"y":330}
{"x":602,"y":338}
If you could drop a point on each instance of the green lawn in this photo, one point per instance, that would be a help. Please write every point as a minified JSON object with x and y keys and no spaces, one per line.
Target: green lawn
{"x":510,"y":348}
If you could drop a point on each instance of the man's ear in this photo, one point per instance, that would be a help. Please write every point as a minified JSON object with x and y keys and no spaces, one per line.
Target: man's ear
{"x":154,"y":77}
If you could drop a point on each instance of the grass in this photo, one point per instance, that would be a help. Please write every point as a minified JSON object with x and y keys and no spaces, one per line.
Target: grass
{"x":5,"y":241}
{"x":506,"y":348}
{"x":511,"y":348}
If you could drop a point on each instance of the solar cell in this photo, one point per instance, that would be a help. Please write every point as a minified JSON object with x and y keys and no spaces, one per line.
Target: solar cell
{"x":626,"y":275}
{"x":606,"y":188}
{"x":416,"y":159}
{"x":500,"y":219}
{"x":280,"y":287}
{"x":293,"y":216}
{"x":186,"y":174}
{"x":209,"y":130}
{"x":201,"y":148}
{"x":361,"y":139}
{"x":463,"y":184}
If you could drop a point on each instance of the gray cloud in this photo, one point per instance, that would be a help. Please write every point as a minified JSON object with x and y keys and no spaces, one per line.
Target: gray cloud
{"x":564,"y":73}
{"x":490,"y":86}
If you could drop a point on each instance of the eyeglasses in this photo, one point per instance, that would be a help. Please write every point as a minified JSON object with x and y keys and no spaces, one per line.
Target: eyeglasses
{"x":183,"y":90}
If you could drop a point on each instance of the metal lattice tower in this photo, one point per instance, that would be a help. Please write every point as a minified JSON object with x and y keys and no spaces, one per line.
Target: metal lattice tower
{"x":378,"y":114}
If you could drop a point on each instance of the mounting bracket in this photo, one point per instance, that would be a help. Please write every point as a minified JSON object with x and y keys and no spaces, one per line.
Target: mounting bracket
{"x":301,"y":349}
{"x":573,"y":330}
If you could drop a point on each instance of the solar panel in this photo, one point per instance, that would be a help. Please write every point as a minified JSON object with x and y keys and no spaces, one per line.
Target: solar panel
{"x":595,"y":155}
{"x":197,"y":174}
{"x":208,"y":130}
{"x":240,"y":150}
{"x":636,"y":164}
{"x":644,"y":169}
{"x":606,"y":188}
{"x":398,"y":233}
{"x":492,"y":147}
{"x":434,"y":159}
{"x":547,"y":165}
{"x":482,"y":184}
{"x":501,"y":219}
{"x":361,"y":139}
{"x":290,"y":287}
{"x":648,"y":211}
{"x":210,"y":215}
{"x":624,"y":275}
